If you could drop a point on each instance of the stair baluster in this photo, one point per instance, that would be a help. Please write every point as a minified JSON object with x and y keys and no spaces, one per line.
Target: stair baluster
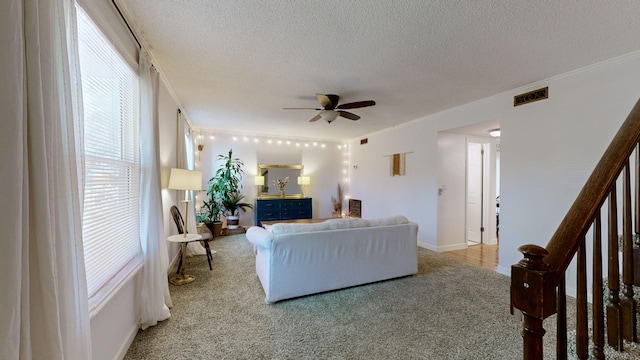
{"x":598,"y":291}
{"x":582,"y":316}
{"x":561,"y":319}
{"x":636,"y":247}
{"x":627,"y":302}
{"x":614,"y":312}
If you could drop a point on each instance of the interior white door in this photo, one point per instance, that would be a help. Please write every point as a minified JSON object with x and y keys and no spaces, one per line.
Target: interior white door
{"x":474,"y":192}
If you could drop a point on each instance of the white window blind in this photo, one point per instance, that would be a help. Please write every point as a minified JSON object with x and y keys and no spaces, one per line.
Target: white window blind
{"x":111,"y":190}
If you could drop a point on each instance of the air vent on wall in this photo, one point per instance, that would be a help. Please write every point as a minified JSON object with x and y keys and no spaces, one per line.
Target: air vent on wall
{"x":531,"y":96}
{"x":364,"y":141}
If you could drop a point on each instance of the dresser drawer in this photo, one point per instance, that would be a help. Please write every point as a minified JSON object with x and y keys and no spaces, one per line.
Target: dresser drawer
{"x":296,"y":204}
{"x":301,"y":214}
{"x":268,"y":205}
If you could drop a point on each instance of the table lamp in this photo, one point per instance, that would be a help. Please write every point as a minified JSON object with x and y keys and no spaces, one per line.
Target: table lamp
{"x":303,"y":181}
{"x":259,"y":180}
{"x":187,"y":180}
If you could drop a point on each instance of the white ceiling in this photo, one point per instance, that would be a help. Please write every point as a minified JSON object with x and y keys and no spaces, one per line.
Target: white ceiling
{"x":234,"y":64}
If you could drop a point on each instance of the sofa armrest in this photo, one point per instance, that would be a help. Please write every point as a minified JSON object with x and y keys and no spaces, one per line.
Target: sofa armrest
{"x":259,"y":237}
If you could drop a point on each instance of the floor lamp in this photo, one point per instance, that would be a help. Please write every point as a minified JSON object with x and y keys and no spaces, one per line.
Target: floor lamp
{"x":187,"y":180}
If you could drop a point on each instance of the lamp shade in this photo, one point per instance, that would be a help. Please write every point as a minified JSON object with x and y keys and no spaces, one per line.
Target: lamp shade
{"x":259,"y":180}
{"x":181,"y":179}
{"x":304,"y":180}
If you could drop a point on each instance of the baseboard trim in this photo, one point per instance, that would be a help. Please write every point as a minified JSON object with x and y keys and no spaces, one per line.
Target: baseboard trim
{"x":427,"y":246}
{"x":452,"y":247}
{"x":127,"y":344}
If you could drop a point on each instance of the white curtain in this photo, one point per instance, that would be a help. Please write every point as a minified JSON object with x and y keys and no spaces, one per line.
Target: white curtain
{"x":44,"y":298}
{"x":186,"y":160}
{"x":154,"y":288}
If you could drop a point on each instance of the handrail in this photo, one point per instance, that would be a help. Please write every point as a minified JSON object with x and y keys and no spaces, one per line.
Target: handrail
{"x":565,"y":241}
{"x":537,"y":278}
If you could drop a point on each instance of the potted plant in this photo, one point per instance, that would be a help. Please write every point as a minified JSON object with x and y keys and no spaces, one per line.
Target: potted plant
{"x":232,"y":205}
{"x":225,"y":182}
{"x":210,"y":214}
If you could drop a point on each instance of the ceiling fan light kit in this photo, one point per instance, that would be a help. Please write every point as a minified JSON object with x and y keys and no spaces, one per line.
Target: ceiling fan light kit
{"x":328,"y":115}
{"x":331,"y":110}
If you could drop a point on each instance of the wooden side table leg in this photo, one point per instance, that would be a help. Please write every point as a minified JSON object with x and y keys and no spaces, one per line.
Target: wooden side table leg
{"x":182,"y":278}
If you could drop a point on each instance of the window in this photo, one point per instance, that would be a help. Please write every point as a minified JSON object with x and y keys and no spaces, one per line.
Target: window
{"x":111,"y":157}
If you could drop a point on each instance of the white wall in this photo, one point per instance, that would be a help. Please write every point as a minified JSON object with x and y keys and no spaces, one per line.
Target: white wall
{"x":548,"y":149}
{"x":413,"y":194}
{"x":323,"y":164}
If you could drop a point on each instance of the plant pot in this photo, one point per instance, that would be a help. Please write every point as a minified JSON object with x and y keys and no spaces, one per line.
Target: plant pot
{"x":233,"y":221}
{"x":215,"y":227}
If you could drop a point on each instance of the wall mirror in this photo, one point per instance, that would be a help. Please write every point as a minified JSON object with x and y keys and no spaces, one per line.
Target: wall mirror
{"x":273,"y":172}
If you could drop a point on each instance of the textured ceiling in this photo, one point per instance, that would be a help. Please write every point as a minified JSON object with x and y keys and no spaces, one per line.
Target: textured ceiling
{"x":234,"y":64}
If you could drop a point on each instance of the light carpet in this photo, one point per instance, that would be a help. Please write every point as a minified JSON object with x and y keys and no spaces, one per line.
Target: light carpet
{"x":449,"y":310}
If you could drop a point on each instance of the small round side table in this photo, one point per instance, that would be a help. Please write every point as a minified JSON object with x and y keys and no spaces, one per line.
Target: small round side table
{"x":181,"y":278}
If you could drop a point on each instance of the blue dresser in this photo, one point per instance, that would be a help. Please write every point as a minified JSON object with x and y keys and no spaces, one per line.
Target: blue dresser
{"x":282,"y":209}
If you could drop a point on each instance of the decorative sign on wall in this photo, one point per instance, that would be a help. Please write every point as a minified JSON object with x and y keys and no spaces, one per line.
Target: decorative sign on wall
{"x":397,"y":165}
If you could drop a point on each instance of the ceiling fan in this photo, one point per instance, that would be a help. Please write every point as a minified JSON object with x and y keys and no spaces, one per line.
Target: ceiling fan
{"x":331,"y":110}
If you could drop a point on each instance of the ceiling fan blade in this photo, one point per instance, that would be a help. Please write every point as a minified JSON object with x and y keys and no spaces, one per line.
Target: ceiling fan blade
{"x":315,"y":118}
{"x":357,"y":104}
{"x":329,"y":101}
{"x":348,"y":115}
{"x":301,"y":109}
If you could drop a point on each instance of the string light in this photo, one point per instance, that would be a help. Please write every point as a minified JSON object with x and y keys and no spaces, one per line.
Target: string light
{"x":259,"y":139}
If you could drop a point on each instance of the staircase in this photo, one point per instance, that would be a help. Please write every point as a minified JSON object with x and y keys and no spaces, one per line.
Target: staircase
{"x":631,"y":349}
{"x":538,"y":288}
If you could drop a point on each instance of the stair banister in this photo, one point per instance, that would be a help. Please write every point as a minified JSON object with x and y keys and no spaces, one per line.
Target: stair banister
{"x":535,"y":278}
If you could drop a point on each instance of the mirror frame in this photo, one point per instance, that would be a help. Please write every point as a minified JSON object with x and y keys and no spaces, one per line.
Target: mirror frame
{"x":262,"y":195}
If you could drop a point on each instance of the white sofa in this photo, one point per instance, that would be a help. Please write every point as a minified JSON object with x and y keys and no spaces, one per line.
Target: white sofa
{"x":300,"y":259}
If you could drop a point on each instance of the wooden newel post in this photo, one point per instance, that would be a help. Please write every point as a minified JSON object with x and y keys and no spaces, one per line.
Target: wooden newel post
{"x":533,"y":292}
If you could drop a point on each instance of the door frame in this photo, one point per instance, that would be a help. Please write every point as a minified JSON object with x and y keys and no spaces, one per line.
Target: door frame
{"x":485,"y":186}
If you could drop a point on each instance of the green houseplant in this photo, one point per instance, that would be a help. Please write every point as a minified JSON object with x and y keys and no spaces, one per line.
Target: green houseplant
{"x":232,"y":205}
{"x":210,"y":214}
{"x":225,"y":182}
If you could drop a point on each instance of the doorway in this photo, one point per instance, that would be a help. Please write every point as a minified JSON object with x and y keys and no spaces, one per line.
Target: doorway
{"x":477,"y":192}
{"x":452,"y":187}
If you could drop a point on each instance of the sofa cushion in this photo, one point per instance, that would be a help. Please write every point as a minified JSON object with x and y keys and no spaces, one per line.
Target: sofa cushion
{"x":286,"y":228}
{"x":390,"y":220}
{"x":335,"y":224}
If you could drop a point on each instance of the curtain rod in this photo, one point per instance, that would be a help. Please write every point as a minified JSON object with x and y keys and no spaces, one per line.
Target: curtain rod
{"x":126,"y":23}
